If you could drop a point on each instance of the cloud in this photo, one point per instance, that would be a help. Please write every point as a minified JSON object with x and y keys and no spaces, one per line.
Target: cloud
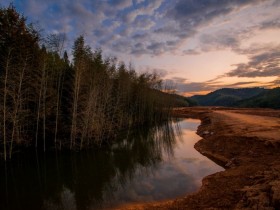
{"x":179,"y":79}
{"x":233,"y":38}
{"x":140,"y":37}
{"x":138,"y":27}
{"x":257,"y":48}
{"x":139,"y":49}
{"x":270,"y":24}
{"x":187,"y":88}
{"x":139,"y":1}
{"x":238,"y":84}
{"x":190,"y":13}
{"x":266,"y":64}
{"x":144,"y":23}
{"x":121,"y":46}
{"x":194,"y":87}
{"x":174,"y":21}
{"x":191,"y":52}
{"x":121,"y":4}
{"x":147,"y":9}
{"x":182,"y":86}
{"x":229,"y":32}
{"x":277,"y":81}
{"x":221,"y":40}
{"x":184,"y":19}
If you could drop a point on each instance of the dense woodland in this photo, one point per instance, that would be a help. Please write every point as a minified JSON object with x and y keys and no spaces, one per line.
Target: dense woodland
{"x":243,"y":97}
{"x":226,"y":96}
{"x":269,"y":98}
{"x":46,"y":101}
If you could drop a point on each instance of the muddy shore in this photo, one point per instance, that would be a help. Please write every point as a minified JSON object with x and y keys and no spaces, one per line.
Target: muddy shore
{"x":246,"y":142}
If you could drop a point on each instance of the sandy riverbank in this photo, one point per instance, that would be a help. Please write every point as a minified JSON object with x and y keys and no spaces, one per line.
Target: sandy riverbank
{"x":247,"y":143}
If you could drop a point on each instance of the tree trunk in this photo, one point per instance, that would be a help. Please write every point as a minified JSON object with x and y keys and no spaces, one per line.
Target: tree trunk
{"x":39,"y":104}
{"x":17,"y":102}
{"x":4,"y":105}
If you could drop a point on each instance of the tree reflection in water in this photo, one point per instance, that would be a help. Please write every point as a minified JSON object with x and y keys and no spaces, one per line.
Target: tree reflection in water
{"x":84,"y":180}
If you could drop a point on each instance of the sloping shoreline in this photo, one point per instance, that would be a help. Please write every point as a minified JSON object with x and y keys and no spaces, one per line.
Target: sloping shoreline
{"x":246,"y":143}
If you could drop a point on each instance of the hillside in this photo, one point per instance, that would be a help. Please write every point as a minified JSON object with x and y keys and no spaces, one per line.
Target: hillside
{"x":266,"y":99}
{"x":181,"y":101}
{"x":226,"y":96}
{"x":176,"y":100}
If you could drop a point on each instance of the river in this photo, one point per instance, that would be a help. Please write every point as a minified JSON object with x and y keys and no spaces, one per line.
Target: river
{"x":144,"y":165}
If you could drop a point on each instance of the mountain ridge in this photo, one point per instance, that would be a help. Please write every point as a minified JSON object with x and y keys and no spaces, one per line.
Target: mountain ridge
{"x":242,"y":97}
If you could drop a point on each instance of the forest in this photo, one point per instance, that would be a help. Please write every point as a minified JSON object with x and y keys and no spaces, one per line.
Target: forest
{"x":48,"y":101}
{"x":257,"y":97}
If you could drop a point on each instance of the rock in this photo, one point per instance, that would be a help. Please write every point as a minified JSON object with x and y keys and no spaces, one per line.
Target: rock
{"x":205,"y":132}
{"x":229,"y":163}
{"x":253,"y":154}
{"x":255,"y":197}
{"x":275,"y":189}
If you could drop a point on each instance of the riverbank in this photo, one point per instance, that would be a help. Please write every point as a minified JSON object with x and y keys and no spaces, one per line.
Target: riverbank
{"x":246,"y":142}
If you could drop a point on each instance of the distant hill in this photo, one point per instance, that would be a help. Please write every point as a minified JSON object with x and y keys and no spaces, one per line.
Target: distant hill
{"x":270,"y":98}
{"x":176,"y":100}
{"x":181,"y":101}
{"x":227,"y":96}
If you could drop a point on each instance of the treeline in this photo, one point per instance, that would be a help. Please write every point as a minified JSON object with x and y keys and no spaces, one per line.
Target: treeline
{"x":256,"y":97}
{"x":226,"y":96}
{"x":47,"y":101}
{"x":269,"y":98}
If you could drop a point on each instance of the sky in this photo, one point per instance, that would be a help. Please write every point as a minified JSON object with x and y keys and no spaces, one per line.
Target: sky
{"x":197,"y":46}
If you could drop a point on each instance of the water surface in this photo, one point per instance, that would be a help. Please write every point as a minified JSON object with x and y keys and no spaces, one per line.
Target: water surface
{"x":149,"y":164}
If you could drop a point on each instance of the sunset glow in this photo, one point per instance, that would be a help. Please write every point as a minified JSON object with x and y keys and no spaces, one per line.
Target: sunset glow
{"x":199,"y":46}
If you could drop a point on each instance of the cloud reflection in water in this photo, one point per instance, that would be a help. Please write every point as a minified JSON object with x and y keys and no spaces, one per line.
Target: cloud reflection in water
{"x":148,"y":164}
